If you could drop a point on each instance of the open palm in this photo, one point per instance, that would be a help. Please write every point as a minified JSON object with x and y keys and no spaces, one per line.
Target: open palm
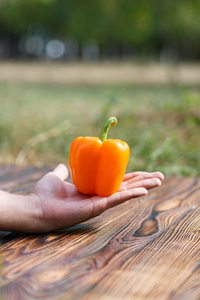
{"x":61,"y":205}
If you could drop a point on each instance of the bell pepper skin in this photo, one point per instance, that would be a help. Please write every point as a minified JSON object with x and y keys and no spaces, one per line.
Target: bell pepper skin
{"x":98,"y":165}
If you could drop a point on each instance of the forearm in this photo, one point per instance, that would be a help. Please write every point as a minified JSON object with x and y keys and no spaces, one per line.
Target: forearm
{"x":17,"y":212}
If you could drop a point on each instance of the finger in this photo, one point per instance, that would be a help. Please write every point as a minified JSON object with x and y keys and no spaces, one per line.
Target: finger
{"x":148,"y":184}
{"x":100,"y":204}
{"x":61,"y":172}
{"x":123,"y":196}
{"x":134,"y":175}
{"x":134,"y":179}
{"x":142,"y":176}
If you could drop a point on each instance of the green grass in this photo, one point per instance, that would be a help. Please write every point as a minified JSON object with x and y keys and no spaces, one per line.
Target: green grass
{"x":161,"y":124}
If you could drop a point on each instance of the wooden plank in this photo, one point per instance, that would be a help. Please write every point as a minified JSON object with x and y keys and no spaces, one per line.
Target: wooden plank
{"x":190,"y":288}
{"x":14,"y":178}
{"x":146,"y":248}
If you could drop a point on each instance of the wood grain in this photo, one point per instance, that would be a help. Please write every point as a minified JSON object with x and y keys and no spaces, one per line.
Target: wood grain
{"x":146,"y":248}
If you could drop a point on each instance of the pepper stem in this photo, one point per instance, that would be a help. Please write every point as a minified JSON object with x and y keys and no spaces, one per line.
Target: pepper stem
{"x":110,"y":122}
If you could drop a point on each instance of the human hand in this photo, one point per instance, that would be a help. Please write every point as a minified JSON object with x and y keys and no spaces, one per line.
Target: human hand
{"x":59,"y":204}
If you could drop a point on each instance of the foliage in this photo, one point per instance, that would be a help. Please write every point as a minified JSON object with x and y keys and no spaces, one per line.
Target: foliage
{"x":144,"y":26}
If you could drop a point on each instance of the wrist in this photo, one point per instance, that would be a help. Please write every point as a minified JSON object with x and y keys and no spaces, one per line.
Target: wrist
{"x":18,"y":212}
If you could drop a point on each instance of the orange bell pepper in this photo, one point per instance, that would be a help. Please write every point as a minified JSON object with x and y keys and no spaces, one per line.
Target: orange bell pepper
{"x":98,"y":165}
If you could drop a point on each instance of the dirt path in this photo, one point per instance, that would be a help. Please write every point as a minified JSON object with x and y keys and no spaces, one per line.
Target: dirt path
{"x":99,"y":73}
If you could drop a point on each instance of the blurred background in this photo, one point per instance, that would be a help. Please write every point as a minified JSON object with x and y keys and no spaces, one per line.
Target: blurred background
{"x":66,"y":66}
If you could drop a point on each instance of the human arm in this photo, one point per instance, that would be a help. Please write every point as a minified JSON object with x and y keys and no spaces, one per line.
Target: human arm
{"x":55,"y":204}
{"x":18,"y":212}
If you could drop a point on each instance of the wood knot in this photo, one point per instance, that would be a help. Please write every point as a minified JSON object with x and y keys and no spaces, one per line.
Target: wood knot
{"x":167,"y":205}
{"x":148,"y":227}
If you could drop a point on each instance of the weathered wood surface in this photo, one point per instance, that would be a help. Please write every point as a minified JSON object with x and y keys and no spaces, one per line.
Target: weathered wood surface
{"x":146,"y":248}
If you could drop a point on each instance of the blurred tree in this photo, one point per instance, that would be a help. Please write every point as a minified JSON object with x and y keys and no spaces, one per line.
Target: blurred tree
{"x":177,"y":27}
{"x":149,"y":27}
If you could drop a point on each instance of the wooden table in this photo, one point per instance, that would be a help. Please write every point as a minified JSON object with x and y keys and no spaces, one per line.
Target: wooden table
{"x":146,"y":248}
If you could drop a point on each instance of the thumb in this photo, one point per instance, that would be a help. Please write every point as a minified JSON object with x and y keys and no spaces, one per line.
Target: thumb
{"x":61,"y":172}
